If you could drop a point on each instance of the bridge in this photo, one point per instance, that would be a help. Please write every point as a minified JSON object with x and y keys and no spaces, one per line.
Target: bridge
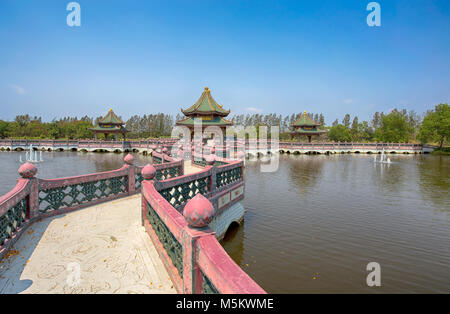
{"x":151,"y":229}
{"x":145,"y":146}
{"x":253,"y":148}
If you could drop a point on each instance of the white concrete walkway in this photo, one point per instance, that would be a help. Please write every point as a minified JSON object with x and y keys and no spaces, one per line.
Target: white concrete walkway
{"x":189,"y":168}
{"x":99,"y":249}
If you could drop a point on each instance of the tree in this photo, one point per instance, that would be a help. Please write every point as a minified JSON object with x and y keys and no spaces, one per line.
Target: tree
{"x":22,"y":120}
{"x":53,"y":130}
{"x":322,"y":120}
{"x":436,"y":125}
{"x":394,"y":127}
{"x":365,"y":132}
{"x":346,"y":121}
{"x":4,"y":127}
{"x":376,"y":120}
{"x":355,"y":130}
{"x":339,"y":133}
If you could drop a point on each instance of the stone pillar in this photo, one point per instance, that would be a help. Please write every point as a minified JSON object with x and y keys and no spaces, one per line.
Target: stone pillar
{"x":198,"y":212}
{"x":28,"y":171}
{"x":210,"y":159}
{"x":148,"y":173}
{"x":129,"y":161}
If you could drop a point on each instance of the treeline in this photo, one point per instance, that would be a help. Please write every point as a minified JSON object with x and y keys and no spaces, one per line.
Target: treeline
{"x":272,"y":119}
{"x":152,"y":125}
{"x":395,"y":126}
{"x":25,"y":126}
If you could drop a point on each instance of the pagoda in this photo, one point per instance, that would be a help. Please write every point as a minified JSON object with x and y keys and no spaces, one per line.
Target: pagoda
{"x":306,"y":126}
{"x":110,"y":124}
{"x":208,"y":111}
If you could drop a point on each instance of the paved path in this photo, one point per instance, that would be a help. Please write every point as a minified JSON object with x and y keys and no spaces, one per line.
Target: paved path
{"x":105,"y":242}
{"x":189,"y":168}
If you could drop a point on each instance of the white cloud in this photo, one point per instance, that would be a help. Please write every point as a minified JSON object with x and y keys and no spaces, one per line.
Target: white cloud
{"x":253,"y":109}
{"x":18,"y":89}
{"x":348,"y":101}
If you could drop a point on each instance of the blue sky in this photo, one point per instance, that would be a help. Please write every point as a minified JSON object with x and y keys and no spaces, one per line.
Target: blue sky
{"x":256,"y":56}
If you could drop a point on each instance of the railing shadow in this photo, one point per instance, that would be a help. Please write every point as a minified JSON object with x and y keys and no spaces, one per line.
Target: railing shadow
{"x":14,"y":263}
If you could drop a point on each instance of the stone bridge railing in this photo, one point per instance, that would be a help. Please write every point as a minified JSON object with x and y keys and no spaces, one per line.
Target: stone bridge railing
{"x":176,"y":213}
{"x":152,"y":144}
{"x":88,"y":145}
{"x":33,"y":198}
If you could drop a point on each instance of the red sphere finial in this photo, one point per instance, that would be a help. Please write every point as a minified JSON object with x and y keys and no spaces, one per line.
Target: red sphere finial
{"x":27,"y":170}
{"x":210,"y":159}
{"x":148,"y":172}
{"x":129,"y":159}
{"x":199,"y":211}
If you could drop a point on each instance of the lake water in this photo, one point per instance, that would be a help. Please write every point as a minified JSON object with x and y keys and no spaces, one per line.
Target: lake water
{"x":315,"y":224}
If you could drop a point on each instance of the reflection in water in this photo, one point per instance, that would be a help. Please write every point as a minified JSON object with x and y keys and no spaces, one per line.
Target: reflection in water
{"x":235,"y":234}
{"x":63,"y":164}
{"x":305,"y":172}
{"x":314,"y":224}
{"x":435,"y":188}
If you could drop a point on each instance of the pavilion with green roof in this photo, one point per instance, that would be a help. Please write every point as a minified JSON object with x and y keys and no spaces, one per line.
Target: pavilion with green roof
{"x":208,"y":111}
{"x":306,"y":126}
{"x":110,"y":124}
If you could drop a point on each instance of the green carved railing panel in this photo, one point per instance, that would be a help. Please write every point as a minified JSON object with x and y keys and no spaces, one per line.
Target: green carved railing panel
{"x":164,"y":174}
{"x":178,"y":195}
{"x":228,"y":177}
{"x":12,"y":220}
{"x":207,"y":286}
{"x":200,"y":162}
{"x":219,"y":163}
{"x":157,"y":160}
{"x":77,"y":194}
{"x":138,"y":178}
{"x":170,"y":244}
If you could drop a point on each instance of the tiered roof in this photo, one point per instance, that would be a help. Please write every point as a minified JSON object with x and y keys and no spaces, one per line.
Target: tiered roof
{"x":111,"y":118}
{"x":305,"y":120}
{"x":207,"y":110}
{"x":110,"y":123}
{"x":305,"y":125}
{"x":206,"y":105}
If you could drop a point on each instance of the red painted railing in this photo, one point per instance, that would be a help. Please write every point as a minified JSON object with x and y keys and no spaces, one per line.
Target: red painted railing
{"x":33,"y":198}
{"x":249,"y":144}
{"x":195,"y":260}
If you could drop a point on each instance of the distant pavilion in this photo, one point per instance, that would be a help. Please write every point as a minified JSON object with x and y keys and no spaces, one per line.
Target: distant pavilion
{"x":208,"y":111}
{"x":306,"y":126}
{"x":110,"y":124}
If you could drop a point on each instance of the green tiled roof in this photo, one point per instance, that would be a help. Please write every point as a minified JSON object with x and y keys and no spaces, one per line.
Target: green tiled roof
{"x":113,"y":128}
{"x":303,"y":131}
{"x":219,"y":121}
{"x":206,"y":105}
{"x":305,"y":120}
{"x":111,"y":118}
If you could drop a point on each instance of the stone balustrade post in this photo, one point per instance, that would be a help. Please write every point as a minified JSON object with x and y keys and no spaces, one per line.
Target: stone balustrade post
{"x":28,"y":172}
{"x":210,"y":160}
{"x":129,"y":161}
{"x":198,"y":212}
{"x":148,"y":173}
